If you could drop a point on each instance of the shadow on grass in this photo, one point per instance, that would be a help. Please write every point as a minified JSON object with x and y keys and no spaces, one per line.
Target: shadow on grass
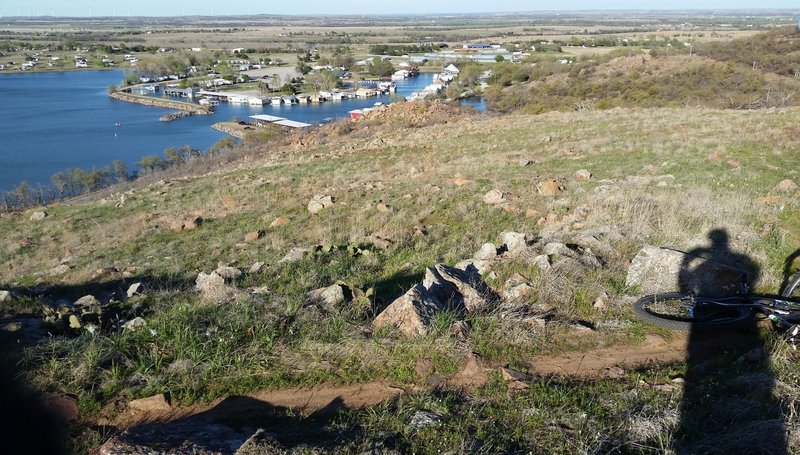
{"x":236,"y":421}
{"x":728,"y":404}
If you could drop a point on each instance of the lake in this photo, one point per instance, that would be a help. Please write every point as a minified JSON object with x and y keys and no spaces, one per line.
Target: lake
{"x":54,"y":121}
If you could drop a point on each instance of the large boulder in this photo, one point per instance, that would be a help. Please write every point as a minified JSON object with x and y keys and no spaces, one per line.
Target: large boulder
{"x":411,"y":313}
{"x":462,"y":289}
{"x":656,"y":270}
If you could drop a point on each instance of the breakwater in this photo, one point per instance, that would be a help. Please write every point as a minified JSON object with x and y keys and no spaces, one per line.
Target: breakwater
{"x":194,"y":109}
{"x":229,"y":129}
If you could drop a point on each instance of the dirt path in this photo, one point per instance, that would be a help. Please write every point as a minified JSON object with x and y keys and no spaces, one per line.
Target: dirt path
{"x":599,"y":362}
{"x":305,"y":401}
{"x":301,"y":411}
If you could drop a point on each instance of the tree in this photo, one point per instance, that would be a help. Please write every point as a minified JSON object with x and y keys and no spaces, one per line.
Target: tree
{"x":499,"y":58}
{"x":60,"y":182}
{"x":380,"y":67}
{"x":321,"y":80}
{"x":302,"y":67}
{"x":226,"y":143}
{"x":151,"y":163}
{"x":120,"y":171}
{"x":24,"y":192}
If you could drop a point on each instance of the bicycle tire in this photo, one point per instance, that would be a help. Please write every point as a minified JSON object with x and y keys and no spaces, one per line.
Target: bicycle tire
{"x":792,"y":286}
{"x":656,"y":309}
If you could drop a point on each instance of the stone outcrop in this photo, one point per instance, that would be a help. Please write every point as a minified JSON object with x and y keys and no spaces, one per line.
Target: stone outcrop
{"x":656,"y":270}
{"x":411,"y":313}
{"x":444,"y":287}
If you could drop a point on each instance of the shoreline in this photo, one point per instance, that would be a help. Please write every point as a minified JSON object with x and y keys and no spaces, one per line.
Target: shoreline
{"x":194,"y":109}
{"x":227,"y":128}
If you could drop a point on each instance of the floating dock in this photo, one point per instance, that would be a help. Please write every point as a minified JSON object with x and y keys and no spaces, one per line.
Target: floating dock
{"x":263,"y":119}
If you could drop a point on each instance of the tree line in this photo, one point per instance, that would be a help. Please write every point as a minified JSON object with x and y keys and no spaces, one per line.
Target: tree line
{"x":76,"y":181}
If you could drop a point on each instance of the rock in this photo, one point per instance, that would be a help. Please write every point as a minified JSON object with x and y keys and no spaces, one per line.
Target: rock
{"x":410,"y":313}
{"x":660,"y":270}
{"x":459,"y":181}
{"x":279,"y":221}
{"x":295,"y":254}
{"x":785,"y":186}
{"x":518,"y":385}
{"x":542,"y":262}
{"x":206,"y":282}
{"x":549,"y":188}
{"x":462,"y":290}
{"x":583,"y":175}
{"x":514,"y":242}
{"x":60,"y":270}
{"x":319,"y":202}
{"x":495,"y":197}
{"x":460,"y":330}
{"x":135,"y":323}
{"x":601,"y":302}
{"x":5,"y":295}
{"x":135,"y":289}
{"x":524,"y":162}
{"x":383,"y":208}
{"x":38,"y":216}
{"x":557,"y":249}
{"x":329,"y":296}
{"x":186,"y":224}
{"x":425,"y":419}
{"x":156,"y":403}
{"x":87,"y":300}
{"x":228,"y":273}
{"x":65,"y":408}
{"x":74,"y":322}
{"x":517,"y":292}
{"x":474,"y":265}
{"x":253,"y":236}
{"x":487,"y":252}
{"x":184,"y":437}
{"x":512,"y":375}
{"x":256,"y":267}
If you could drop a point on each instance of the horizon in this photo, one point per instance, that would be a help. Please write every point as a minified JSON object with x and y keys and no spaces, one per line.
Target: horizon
{"x":503,"y":8}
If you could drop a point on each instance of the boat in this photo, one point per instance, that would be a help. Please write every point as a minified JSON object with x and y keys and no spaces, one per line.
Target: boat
{"x":276,"y":100}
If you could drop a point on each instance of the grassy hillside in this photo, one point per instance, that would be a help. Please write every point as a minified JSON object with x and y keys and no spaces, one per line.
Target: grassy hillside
{"x":752,"y":73}
{"x":408,"y":186}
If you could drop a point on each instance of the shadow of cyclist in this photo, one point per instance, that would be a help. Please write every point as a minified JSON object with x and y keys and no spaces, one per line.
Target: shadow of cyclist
{"x":727,"y":404}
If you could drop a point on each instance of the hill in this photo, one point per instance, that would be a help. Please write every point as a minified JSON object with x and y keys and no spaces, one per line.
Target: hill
{"x":752,"y":73}
{"x":260,"y":283}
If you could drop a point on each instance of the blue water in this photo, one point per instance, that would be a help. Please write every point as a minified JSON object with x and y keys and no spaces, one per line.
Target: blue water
{"x":50,"y":122}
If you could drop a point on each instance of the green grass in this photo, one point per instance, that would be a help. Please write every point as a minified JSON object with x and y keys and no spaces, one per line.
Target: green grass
{"x":198,"y":350}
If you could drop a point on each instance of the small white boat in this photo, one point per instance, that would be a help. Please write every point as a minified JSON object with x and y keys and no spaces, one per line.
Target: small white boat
{"x":276,"y":100}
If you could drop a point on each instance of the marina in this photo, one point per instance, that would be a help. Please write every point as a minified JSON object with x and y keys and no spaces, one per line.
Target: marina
{"x":86,"y":128}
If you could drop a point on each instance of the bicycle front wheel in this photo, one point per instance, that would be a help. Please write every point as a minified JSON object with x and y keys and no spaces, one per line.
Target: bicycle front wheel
{"x":792,"y":288}
{"x":679,"y":311}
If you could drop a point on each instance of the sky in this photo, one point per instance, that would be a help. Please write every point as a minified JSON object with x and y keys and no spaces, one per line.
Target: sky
{"x":85,"y":8}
